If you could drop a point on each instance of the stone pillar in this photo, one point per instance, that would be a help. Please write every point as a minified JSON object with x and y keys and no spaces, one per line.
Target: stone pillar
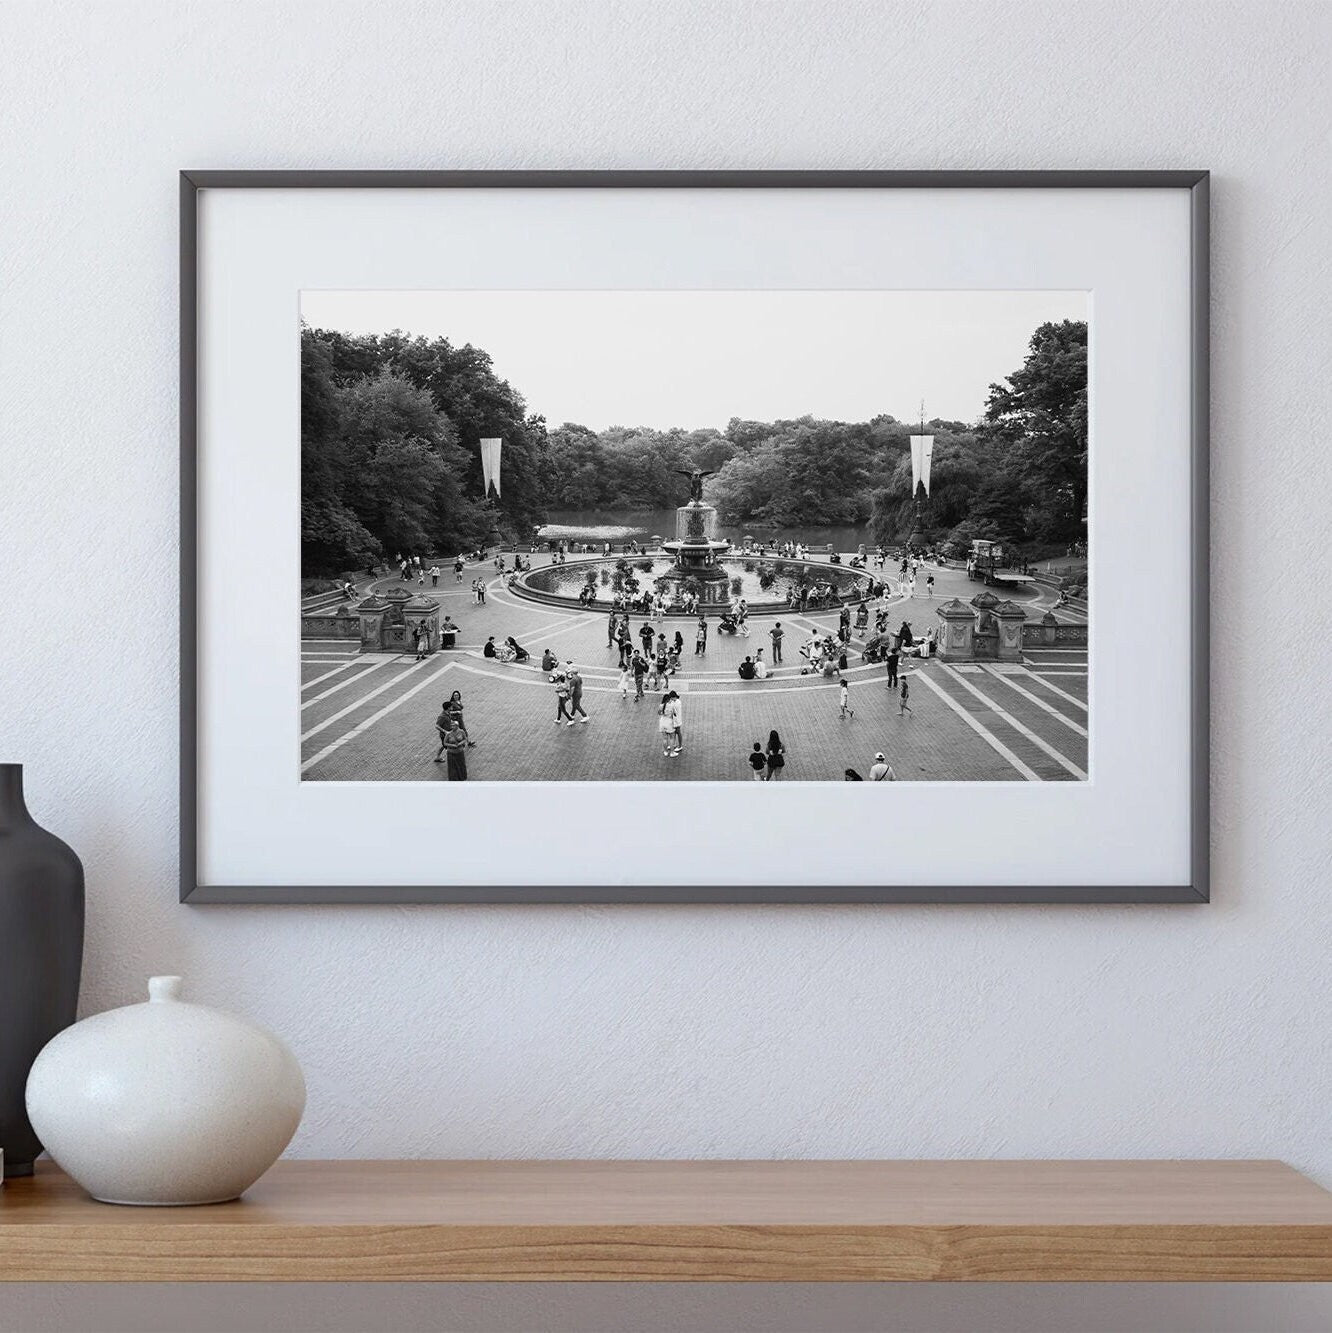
{"x":371,"y":615}
{"x":422,"y":611}
{"x":1048,"y":626}
{"x":1011,"y":618}
{"x":957,"y":632}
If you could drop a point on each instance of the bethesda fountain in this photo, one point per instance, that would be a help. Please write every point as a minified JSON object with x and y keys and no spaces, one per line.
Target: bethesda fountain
{"x":695,"y":551}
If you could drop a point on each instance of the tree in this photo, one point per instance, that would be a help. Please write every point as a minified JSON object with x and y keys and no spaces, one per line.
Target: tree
{"x":332,"y":536}
{"x":1040,"y":412}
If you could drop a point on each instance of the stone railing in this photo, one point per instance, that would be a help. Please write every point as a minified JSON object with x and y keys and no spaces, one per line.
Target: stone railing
{"x":343,"y":626}
{"x":1037,"y":634}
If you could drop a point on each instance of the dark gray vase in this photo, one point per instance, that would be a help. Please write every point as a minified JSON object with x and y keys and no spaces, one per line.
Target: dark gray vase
{"x":41,"y":953}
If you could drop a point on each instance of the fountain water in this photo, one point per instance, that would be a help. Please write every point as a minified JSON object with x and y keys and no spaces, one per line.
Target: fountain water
{"x":696,"y":550}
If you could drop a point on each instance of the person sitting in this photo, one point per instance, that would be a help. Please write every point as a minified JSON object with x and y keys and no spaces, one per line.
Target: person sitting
{"x":520,"y":654}
{"x":489,"y":649}
{"x":549,"y":661}
{"x":761,"y":671}
{"x":746,"y":669}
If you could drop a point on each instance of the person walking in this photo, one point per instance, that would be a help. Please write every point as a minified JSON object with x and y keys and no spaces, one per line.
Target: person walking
{"x":624,"y":681}
{"x":701,"y":637}
{"x":903,"y":706}
{"x":845,"y":711}
{"x":453,"y":706}
{"x":639,"y":668}
{"x":645,"y":637}
{"x":881,"y":770}
{"x":776,"y":756}
{"x":576,"y":696}
{"x":666,"y":725}
{"x":443,"y":725}
{"x":758,"y":764}
{"x":929,"y":584}
{"x":626,"y":642}
{"x":434,"y":576}
{"x":890,"y":660}
{"x":612,"y":622}
{"x":562,"y":701}
{"x":455,"y":746}
{"x":676,"y":714}
{"x":776,"y":635}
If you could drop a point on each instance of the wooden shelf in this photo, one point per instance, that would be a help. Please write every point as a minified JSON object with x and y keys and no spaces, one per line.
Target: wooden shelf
{"x":859,"y":1221}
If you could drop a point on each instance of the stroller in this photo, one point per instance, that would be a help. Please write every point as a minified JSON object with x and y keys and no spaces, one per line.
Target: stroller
{"x":877,"y":648}
{"x":728,"y":624}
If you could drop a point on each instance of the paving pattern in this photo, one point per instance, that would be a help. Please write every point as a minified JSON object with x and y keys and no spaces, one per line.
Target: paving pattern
{"x":370,"y":716}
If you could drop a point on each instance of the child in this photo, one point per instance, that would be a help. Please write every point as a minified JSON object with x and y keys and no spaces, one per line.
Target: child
{"x":904,"y":707}
{"x":624,"y":684}
{"x":847,"y":710}
{"x":758,"y":762}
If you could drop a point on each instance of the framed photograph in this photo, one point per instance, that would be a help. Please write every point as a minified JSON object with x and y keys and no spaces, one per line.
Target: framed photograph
{"x":704,"y":537}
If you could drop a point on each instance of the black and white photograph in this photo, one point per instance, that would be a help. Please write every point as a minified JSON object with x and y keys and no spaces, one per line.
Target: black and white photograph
{"x":695,"y":536}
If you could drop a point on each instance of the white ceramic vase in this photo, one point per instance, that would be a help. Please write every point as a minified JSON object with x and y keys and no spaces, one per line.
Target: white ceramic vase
{"x":165,"y":1102}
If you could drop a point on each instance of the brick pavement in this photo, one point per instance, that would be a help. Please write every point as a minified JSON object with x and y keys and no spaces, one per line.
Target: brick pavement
{"x":370,"y":717}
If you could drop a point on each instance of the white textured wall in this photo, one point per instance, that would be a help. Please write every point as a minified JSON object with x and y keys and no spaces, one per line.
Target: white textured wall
{"x":686,"y":1032}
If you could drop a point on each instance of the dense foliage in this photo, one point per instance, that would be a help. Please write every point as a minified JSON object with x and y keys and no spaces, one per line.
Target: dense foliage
{"x":390,"y":459}
{"x":1020,"y":474}
{"x":390,"y":424}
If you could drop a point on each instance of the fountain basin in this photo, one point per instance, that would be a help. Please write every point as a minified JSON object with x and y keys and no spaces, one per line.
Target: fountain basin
{"x":560,"y":584}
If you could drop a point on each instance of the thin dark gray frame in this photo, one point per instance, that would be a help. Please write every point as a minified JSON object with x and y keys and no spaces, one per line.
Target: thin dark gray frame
{"x":1196,"y":182}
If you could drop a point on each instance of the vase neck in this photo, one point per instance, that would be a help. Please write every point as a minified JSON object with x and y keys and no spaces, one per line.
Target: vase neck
{"x":13,"y":810}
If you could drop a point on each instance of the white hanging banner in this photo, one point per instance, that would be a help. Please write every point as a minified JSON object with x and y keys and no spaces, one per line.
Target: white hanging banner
{"x":922,"y":450}
{"x":490,"y":464}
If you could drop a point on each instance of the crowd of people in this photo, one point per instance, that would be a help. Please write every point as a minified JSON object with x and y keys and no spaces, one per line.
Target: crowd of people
{"x":649,"y":657}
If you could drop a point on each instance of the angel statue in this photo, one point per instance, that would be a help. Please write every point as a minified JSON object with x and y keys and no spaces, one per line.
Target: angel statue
{"x":695,"y":476}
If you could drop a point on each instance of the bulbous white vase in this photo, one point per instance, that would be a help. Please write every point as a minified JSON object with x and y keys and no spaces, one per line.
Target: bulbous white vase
{"x":165,"y":1102}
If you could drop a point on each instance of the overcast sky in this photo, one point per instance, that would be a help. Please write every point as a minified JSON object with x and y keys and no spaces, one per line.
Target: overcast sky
{"x":698,"y":358}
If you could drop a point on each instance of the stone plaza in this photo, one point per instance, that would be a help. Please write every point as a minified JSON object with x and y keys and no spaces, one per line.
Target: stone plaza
{"x":1004,"y":700}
